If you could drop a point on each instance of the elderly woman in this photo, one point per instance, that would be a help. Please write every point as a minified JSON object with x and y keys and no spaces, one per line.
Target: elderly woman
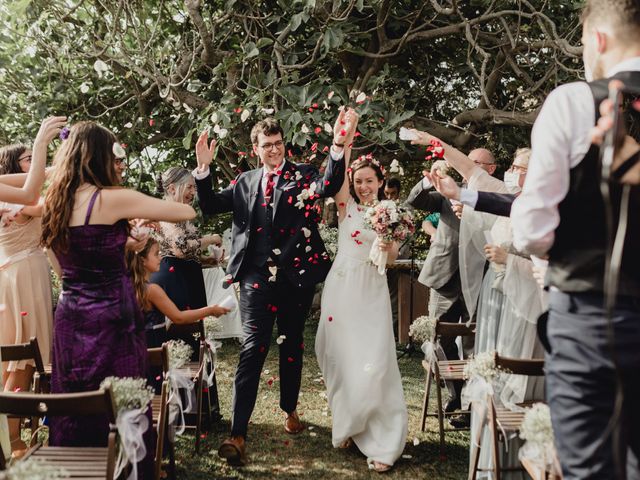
{"x":181,"y":246}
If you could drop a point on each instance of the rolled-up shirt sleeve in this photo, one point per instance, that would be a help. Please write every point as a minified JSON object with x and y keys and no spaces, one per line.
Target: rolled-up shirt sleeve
{"x":559,"y":137}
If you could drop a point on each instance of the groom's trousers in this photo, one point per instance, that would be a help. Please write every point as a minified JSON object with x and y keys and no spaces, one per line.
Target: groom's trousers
{"x":263,"y":302}
{"x":581,"y":386}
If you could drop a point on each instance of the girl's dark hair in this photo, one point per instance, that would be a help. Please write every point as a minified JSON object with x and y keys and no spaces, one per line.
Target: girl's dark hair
{"x":10,"y":158}
{"x":135,"y":264}
{"x":359,"y":164}
{"x":85,"y":156}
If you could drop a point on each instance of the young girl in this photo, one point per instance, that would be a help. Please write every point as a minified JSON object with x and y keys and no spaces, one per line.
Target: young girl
{"x":154,"y":301}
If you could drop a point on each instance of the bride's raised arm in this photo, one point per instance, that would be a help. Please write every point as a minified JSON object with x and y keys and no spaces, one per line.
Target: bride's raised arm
{"x":347,"y":121}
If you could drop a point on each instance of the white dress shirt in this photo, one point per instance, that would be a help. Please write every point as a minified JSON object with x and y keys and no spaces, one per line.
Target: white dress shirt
{"x":559,"y":141}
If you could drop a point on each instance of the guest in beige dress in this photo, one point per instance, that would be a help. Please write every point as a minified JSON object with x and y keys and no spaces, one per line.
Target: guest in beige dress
{"x":25,"y":286}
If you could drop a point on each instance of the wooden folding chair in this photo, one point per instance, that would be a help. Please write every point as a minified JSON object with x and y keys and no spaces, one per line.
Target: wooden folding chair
{"x":159,"y":357}
{"x":196,"y":370}
{"x":503,"y":423}
{"x":79,"y":462}
{"x":443,"y":371}
{"x":26,"y":351}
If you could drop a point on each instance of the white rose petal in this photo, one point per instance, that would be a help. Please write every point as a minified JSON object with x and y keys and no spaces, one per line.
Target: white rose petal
{"x":325,"y":104}
{"x":328,"y":128}
{"x":281,"y":339}
{"x":214,"y":117}
{"x":84,"y":88}
{"x":245,"y":115}
{"x":276,"y":251}
{"x":329,"y":201}
{"x":306,"y":231}
{"x":268,"y":111}
{"x":304,"y":128}
{"x":266,"y":372}
{"x":302,"y":271}
{"x":361,"y":97}
{"x":416,"y":442}
{"x":223,"y":132}
{"x":311,"y":427}
{"x":313,"y":434}
{"x":407,"y":457}
{"x":307,"y":249}
{"x":330,"y":94}
{"x":187,"y":108}
{"x":216,"y":128}
{"x":118,"y":151}
{"x":128,"y":125}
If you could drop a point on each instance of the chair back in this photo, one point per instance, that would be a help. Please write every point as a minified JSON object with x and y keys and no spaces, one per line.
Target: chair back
{"x":159,"y":357}
{"x":455,"y":329}
{"x":23,"y":351}
{"x":520,"y":366}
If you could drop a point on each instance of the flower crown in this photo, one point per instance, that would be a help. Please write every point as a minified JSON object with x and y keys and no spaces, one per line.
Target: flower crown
{"x":367,"y":159}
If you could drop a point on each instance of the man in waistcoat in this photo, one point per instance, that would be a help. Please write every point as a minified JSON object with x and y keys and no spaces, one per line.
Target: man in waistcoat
{"x":277,"y":256}
{"x":561,"y":214}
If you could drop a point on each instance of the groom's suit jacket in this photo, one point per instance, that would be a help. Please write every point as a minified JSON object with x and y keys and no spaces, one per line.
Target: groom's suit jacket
{"x":298,"y":249}
{"x":442,"y":260}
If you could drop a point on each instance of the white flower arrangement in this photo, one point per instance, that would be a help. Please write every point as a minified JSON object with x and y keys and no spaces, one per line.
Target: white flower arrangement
{"x":537,"y":431}
{"x":482,"y":365}
{"x":536,"y":426}
{"x":179,"y":353}
{"x":129,"y":393}
{"x":212,"y":326}
{"x":33,"y":469}
{"x":329,"y":237}
{"x":422,"y":329}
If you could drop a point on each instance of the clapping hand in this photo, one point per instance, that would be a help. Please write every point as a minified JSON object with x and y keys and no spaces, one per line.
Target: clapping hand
{"x":204,"y":151}
{"x":496,"y":254}
{"x":444,"y":184}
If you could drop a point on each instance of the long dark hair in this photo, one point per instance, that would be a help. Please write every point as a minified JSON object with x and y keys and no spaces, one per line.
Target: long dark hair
{"x":85,"y":156}
{"x":135,"y":264}
{"x":10,"y":158}
{"x":365,"y":161}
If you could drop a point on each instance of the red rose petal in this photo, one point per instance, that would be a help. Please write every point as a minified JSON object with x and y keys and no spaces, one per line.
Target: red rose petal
{"x":256,"y":285}
{"x":290,"y":359}
{"x":24,"y":314}
{"x":172,"y":269}
{"x":330,"y":318}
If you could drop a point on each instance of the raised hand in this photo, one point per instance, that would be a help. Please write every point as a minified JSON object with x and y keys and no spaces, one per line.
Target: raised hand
{"x":49,"y":129}
{"x":496,"y":254}
{"x":422,"y":138}
{"x":345,"y":127}
{"x":445,"y":185}
{"x":204,"y":151}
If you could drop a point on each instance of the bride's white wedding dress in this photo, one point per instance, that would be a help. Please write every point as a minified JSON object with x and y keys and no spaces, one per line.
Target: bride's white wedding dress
{"x":356,"y":348}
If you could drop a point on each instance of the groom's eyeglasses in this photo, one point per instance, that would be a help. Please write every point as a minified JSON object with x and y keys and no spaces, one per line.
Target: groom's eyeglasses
{"x":269,"y":146}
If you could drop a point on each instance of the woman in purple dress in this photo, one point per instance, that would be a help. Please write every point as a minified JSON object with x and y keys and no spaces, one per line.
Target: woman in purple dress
{"x":98,"y":325}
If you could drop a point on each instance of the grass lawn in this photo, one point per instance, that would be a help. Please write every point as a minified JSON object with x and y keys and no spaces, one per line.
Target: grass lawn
{"x":274,"y":454}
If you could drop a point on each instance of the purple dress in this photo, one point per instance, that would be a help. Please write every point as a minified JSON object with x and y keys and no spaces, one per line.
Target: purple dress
{"x":98,"y":325}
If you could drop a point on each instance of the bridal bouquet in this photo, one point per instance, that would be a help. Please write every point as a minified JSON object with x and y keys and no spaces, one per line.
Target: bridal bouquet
{"x":391,"y":222}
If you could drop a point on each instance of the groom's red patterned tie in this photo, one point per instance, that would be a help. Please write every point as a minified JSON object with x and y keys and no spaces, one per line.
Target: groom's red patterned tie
{"x":268,"y":192}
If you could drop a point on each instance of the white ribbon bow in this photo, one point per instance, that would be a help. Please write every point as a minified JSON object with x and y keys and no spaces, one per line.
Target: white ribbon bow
{"x":378,"y":257}
{"x":178,"y":380}
{"x":131,"y":425}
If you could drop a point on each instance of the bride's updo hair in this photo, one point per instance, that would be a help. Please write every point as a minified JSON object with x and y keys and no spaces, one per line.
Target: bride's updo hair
{"x":365,"y":161}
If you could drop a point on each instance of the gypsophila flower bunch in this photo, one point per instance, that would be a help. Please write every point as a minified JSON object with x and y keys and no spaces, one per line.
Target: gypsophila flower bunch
{"x":129,"y":393}
{"x":536,"y":426}
{"x":482,"y":365}
{"x":390,"y":221}
{"x":179,"y":353}
{"x":34,"y":469}
{"x":422,"y":329}
{"x":329,"y":237}
{"x":212,"y":326}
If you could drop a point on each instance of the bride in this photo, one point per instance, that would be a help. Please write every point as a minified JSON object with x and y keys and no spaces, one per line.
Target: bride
{"x":355,"y":344}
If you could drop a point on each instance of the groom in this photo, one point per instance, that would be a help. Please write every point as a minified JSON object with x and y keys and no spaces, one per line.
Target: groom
{"x":278,"y":257}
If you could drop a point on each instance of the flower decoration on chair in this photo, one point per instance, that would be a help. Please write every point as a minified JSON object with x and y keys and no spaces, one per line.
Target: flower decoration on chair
{"x":482,"y":377}
{"x":132,"y":396}
{"x":537,"y":431}
{"x":423,"y":329}
{"x":34,"y":469}
{"x":179,"y":354}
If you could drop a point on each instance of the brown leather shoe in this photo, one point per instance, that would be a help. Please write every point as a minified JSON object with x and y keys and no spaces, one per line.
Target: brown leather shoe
{"x":234,"y":450}
{"x":292,"y":424}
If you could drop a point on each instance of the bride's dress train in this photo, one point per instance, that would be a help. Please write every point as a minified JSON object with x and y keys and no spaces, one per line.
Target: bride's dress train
{"x":356,"y":349}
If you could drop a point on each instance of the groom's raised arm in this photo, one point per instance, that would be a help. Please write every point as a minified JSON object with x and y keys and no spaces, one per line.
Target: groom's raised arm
{"x":329,"y":183}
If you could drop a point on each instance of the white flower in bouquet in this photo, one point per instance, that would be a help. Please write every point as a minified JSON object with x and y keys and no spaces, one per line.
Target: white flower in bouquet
{"x":35,"y":469}
{"x":129,"y":393}
{"x":482,"y":365}
{"x":536,"y":426}
{"x":179,"y":353}
{"x":390,"y":221}
{"x":422,"y":329}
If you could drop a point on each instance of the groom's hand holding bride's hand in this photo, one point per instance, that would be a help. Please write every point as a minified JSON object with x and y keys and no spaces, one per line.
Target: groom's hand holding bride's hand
{"x":205,"y":151}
